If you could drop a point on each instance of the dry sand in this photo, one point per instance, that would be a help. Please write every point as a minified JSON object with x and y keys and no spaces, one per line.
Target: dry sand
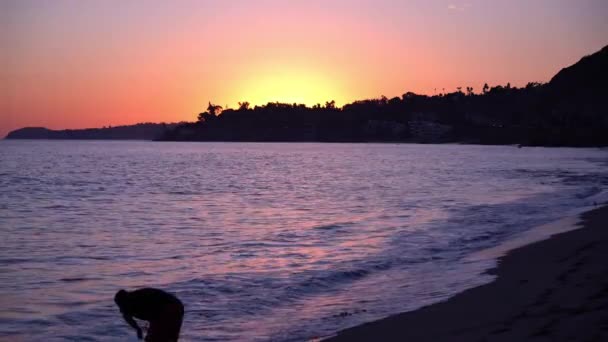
{"x":553,"y":290}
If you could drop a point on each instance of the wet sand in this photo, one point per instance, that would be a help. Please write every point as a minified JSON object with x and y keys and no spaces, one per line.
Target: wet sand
{"x":552,"y":290}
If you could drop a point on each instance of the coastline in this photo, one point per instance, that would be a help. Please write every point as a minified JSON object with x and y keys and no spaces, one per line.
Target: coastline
{"x":551,"y":290}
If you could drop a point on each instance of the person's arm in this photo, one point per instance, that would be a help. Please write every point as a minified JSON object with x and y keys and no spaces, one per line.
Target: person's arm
{"x":132,"y":323}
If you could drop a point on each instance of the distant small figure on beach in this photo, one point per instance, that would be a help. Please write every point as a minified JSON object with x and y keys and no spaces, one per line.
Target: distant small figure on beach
{"x":162,"y":310}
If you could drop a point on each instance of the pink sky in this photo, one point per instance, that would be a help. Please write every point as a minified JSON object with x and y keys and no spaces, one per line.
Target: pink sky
{"x":75,"y":64}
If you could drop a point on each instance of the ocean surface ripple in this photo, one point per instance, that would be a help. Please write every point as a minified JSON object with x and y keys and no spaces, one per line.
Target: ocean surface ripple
{"x":263,"y":242}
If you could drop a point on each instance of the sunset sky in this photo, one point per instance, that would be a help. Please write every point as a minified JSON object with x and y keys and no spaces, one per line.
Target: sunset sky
{"x":75,"y":63}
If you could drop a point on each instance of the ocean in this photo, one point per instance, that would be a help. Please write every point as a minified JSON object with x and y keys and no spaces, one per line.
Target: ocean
{"x":263,"y":241}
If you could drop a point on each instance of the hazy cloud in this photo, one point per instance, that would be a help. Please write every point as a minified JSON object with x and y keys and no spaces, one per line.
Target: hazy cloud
{"x":458,"y":7}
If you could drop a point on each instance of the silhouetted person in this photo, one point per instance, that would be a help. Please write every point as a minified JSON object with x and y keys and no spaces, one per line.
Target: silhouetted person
{"x":163,"y":310}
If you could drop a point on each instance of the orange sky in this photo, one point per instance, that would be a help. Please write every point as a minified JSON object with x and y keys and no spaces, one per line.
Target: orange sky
{"x":74,"y":64}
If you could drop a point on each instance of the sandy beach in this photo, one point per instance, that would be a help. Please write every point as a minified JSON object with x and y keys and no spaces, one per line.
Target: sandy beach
{"x":552,"y":290}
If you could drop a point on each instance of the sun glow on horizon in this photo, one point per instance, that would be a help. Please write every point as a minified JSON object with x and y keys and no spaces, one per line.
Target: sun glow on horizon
{"x":290,"y":84}
{"x":79,"y":64}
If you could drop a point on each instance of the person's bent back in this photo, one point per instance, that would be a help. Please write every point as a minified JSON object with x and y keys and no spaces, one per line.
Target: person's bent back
{"x":163,"y":310}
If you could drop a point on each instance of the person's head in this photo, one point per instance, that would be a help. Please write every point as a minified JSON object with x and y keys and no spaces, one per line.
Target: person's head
{"x":121,"y":298}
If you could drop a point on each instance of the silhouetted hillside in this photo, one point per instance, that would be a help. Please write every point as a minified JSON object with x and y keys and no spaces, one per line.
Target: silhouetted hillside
{"x":588,"y":76}
{"x":570,"y":110}
{"x":143,"y":131}
{"x":574,"y":105}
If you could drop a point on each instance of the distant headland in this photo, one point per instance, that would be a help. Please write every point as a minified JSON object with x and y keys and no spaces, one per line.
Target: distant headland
{"x":570,"y":110}
{"x":142,"y":131}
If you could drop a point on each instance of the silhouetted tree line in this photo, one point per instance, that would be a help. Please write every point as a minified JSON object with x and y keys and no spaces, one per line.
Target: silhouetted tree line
{"x":569,"y":110}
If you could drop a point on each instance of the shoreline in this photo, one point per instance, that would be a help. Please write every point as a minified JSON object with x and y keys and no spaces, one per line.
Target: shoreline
{"x":555,"y":289}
